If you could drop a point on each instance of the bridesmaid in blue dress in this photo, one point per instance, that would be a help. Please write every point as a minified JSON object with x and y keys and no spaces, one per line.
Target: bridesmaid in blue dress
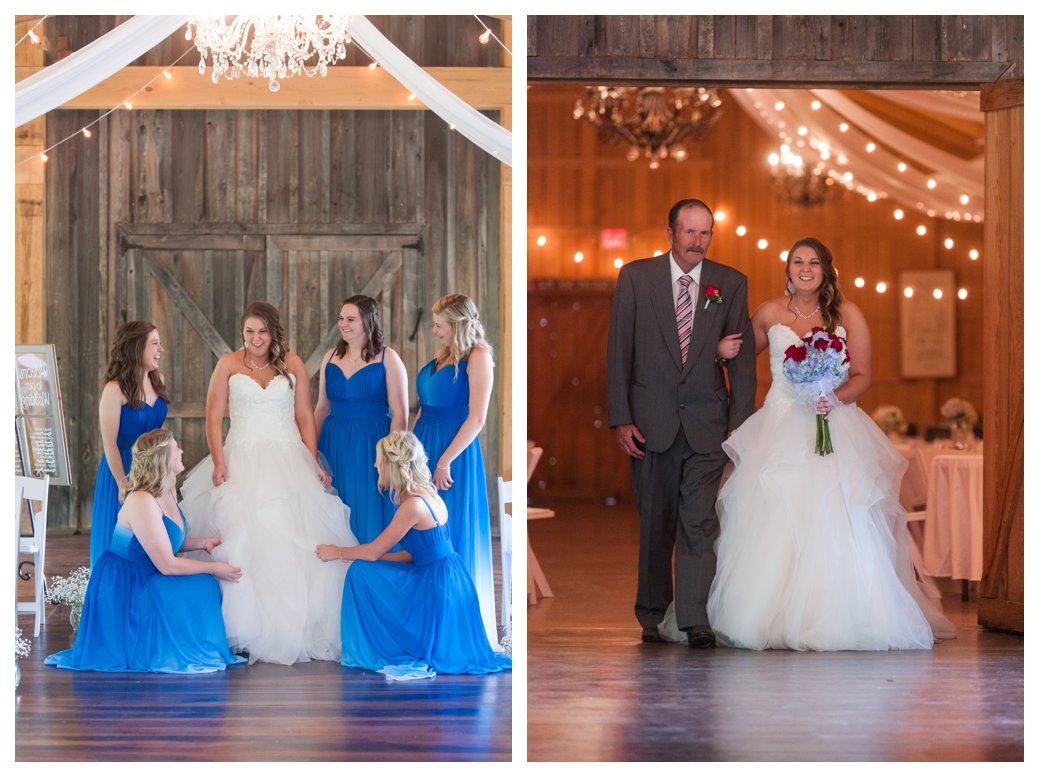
{"x":133,"y":401}
{"x":363,"y":396}
{"x":454,"y":391}
{"x":413,"y":613}
{"x":147,"y":610}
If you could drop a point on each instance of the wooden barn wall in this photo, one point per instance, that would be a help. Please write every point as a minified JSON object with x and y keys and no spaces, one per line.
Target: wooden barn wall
{"x":856,"y":50}
{"x":297,"y":172}
{"x":577,"y":186}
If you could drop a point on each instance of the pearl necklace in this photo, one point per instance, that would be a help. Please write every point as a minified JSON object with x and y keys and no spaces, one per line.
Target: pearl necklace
{"x":253,"y":365}
{"x":801,"y":315}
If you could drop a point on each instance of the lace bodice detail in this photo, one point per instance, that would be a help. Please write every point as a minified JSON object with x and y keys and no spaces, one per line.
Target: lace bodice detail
{"x":261,"y":414}
{"x":781,"y":337}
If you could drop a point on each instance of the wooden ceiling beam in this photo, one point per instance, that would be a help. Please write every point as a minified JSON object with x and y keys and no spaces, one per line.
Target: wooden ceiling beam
{"x":344,"y":88}
{"x":774,"y":74}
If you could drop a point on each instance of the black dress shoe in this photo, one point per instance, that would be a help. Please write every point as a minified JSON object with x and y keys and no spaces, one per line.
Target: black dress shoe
{"x":700,"y":637}
{"x":651,"y":634}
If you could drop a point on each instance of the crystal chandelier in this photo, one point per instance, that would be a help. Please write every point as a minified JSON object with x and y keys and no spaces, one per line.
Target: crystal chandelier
{"x":274,"y":47}
{"x":654,"y":120}
{"x":795,"y":183}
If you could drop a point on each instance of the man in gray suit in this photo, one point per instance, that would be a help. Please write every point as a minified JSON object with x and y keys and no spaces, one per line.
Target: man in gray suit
{"x":670,"y":410}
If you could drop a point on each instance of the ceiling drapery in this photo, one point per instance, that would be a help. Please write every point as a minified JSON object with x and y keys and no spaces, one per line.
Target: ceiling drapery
{"x":935,"y":181}
{"x":57,"y":84}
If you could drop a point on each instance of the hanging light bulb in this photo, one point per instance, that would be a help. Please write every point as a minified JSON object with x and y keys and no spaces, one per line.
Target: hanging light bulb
{"x":485,"y":36}
{"x":86,"y":132}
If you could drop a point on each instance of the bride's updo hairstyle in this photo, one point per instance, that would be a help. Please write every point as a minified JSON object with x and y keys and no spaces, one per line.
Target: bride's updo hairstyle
{"x":830,"y":297}
{"x":369,"y":310}
{"x":271,"y":319}
{"x":150,"y":469}
{"x":403,"y":468}
{"x":466,"y":329}
{"x":124,"y":362}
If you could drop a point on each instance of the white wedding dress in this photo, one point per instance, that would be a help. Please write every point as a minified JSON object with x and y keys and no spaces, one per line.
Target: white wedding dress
{"x":270,"y":515}
{"x":813,"y":552}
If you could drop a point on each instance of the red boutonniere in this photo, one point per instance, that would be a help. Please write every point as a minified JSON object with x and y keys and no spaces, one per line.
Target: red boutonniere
{"x":712,"y":294}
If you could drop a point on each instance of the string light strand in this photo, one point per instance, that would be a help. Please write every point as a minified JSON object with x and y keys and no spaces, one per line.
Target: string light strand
{"x":125,"y":103}
{"x":489,"y":33}
{"x":31,"y":33}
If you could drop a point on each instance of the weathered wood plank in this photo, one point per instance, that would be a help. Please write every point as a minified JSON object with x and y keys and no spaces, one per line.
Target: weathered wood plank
{"x":343,"y":89}
{"x":187,"y":306}
{"x":894,"y":38}
{"x":776,"y":73}
{"x":854,"y":38}
{"x":724,"y":37}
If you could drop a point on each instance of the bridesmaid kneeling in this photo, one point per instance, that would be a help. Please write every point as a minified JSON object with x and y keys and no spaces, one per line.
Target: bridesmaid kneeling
{"x":412,"y":613}
{"x":146,"y":610}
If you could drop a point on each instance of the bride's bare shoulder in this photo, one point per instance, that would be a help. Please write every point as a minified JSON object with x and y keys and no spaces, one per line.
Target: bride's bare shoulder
{"x":769,"y":312}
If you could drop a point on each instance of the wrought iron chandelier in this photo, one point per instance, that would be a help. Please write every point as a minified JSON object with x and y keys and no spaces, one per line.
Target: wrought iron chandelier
{"x":796,"y":183}
{"x":654,"y":120}
{"x":274,"y":47}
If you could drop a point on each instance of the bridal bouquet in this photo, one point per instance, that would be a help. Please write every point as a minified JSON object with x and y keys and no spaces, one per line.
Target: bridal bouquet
{"x":815,"y":367}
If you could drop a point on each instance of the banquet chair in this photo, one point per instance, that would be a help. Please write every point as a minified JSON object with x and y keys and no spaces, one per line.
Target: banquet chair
{"x":505,"y":524}
{"x":536,"y":580}
{"x":33,"y":490}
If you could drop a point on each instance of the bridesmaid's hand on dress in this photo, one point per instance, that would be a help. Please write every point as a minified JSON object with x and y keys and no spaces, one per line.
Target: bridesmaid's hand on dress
{"x":442,"y":477}
{"x":209,"y":543}
{"x":224,"y":571}
{"x":328,"y":552}
{"x":219,"y":475}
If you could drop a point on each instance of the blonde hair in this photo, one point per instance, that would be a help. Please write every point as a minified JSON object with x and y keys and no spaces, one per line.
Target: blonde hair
{"x":466,"y":329}
{"x":150,"y":470}
{"x":403,"y":467}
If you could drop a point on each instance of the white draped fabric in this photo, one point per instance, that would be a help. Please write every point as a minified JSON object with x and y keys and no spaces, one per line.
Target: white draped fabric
{"x":877,"y":170}
{"x":965,"y":106}
{"x":59,"y":83}
{"x":491,"y":137}
{"x":56,"y":85}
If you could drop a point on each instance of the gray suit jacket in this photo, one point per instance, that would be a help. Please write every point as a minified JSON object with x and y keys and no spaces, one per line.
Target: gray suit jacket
{"x":647,"y":384}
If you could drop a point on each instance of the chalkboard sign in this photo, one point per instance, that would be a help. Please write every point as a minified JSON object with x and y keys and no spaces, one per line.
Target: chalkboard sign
{"x":928,"y":323}
{"x":38,"y":419}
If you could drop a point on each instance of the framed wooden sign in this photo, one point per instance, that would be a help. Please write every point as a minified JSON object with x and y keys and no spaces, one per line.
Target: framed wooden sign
{"x":927,"y":323}
{"x":42,"y":447}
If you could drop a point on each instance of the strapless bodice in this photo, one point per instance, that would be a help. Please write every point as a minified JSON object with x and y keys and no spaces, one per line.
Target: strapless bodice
{"x":781,"y":337}
{"x":261,"y":414}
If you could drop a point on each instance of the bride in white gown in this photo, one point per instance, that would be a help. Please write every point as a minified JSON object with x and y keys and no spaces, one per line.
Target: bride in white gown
{"x":262,"y":491}
{"x":814,"y":552}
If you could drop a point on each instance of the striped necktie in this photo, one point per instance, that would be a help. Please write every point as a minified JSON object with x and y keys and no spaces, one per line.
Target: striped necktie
{"x":684,"y":315}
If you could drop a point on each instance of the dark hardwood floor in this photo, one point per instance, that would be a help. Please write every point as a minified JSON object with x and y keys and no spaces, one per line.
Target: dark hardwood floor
{"x":595,"y":692}
{"x":318,"y":711}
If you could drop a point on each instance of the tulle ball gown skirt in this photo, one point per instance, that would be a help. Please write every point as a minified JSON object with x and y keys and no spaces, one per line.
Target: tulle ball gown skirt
{"x":813,"y":551}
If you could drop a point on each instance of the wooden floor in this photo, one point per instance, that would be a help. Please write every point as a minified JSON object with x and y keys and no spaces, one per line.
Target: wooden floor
{"x":595,"y":692}
{"x":317,"y":711}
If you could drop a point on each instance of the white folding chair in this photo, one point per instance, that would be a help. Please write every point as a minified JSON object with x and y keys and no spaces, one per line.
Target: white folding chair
{"x":505,"y":522}
{"x":927,"y":584}
{"x":35,"y":544}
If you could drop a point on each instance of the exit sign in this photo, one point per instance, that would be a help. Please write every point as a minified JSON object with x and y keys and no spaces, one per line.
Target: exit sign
{"x":613,"y":238}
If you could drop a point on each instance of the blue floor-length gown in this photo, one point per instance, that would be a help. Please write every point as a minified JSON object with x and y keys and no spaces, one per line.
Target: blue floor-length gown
{"x":444,"y":399}
{"x":135,"y":619}
{"x":133,"y":422}
{"x":413,"y":620}
{"x":359,"y":417}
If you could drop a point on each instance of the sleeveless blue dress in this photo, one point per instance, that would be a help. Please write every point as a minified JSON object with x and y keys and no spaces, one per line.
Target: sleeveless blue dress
{"x":411,"y":621}
{"x":133,"y":422}
{"x":445,"y":406}
{"x":136,"y":619}
{"x":359,"y":418}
